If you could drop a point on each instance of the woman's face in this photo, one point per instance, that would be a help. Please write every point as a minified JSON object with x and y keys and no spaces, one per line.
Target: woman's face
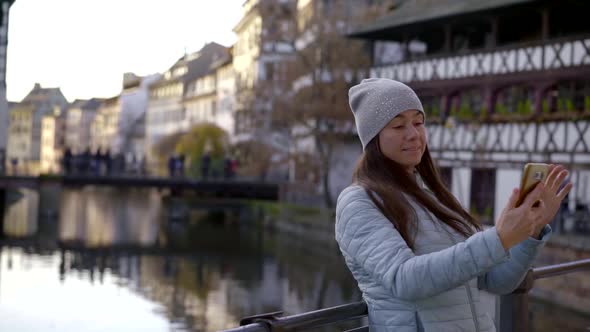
{"x":403,"y":140}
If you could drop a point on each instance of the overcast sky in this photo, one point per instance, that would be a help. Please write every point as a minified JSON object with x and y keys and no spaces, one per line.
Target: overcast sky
{"x":85,"y":46}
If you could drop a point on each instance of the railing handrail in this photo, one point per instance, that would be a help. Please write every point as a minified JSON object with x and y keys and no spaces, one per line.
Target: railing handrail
{"x":311,"y":319}
{"x":271,"y":322}
{"x":558,"y":269}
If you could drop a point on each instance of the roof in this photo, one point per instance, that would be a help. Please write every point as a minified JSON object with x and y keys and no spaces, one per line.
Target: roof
{"x":412,"y":12}
{"x":225,"y":59}
{"x":92,"y":104}
{"x":78,"y":103}
{"x":201,"y":66}
{"x":43,"y":96}
{"x":198,"y":64}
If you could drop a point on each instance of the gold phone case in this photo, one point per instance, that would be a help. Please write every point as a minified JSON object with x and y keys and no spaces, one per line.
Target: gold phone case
{"x":533,"y":173}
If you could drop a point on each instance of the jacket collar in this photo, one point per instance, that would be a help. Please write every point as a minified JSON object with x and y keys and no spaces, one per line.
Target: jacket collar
{"x":420,"y":181}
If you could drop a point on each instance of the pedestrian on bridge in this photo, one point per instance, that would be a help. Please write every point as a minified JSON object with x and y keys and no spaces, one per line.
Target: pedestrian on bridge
{"x":180,"y":165}
{"x":228,"y":168}
{"x":205,"y":165}
{"x":108,"y":161}
{"x":14,"y":163}
{"x":67,"y":161}
{"x":172,"y":165}
{"x":420,"y":259}
{"x":96,"y":162}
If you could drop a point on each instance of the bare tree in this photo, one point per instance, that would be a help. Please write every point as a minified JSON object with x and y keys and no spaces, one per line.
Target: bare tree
{"x":310,"y":89}
{"x":302,"y":93}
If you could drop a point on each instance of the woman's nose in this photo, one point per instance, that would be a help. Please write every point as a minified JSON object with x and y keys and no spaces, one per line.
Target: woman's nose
{"x":411,"y":132}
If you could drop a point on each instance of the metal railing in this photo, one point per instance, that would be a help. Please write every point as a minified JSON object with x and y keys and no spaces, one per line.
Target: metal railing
{"x":514,"y":308}
{"x":273,"y":322}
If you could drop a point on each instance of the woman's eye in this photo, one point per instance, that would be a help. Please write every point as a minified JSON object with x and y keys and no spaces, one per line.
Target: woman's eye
{"x":418,"y":123}
{"x":398,"y":127}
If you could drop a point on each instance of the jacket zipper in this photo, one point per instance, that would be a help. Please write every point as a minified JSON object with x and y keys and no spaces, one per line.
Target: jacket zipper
{"x":467,"y":287}
{"x":473,"y":313}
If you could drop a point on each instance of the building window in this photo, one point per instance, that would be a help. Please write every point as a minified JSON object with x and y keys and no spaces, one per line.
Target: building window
{"x":446,"y":174}
{"x":269,"y":71}
{"x":483,"y":195}
{"x":472,"y":102}
{"x":568,"y":96}
{"x":518,"y":99}
{"x":432,"y":106}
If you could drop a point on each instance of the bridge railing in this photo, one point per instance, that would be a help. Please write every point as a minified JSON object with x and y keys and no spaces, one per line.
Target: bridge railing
{"x":146,"y":170}
{"x":513,"y":315}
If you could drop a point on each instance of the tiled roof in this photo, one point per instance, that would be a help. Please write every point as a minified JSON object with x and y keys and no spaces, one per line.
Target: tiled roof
{"x":419,"y":11}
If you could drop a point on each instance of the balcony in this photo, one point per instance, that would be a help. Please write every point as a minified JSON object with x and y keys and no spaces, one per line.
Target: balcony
{"x":511,"y":144}
{"x":554,"y":54}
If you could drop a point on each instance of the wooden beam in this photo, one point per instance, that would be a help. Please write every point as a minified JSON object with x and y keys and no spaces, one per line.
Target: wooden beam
{"x":494,"y":23}
{"x":545,"y":29}
{"x":2,"y":210}
{"x":448,"y":35}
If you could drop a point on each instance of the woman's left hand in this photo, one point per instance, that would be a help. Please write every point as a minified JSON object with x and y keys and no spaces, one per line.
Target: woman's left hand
{"x":551,"y":197}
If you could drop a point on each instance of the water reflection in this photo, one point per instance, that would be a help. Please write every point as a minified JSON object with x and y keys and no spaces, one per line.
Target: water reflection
{"x":112,"y":260}
{"x":98,"y":217}
{"x":198,"y":274}
{"x":20,"y":219}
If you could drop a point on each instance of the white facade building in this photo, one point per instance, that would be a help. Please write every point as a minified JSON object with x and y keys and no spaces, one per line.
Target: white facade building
{"x":24,"y":140}
{"x":257,"y":57}
{"x":166,"y":113}
{"x":4,"y":116}
{"x":105,"y":125}
{"x":200,"y":100}
{"x":52,"y":141}
{"x":226,"y":98}
{"x":130,"y":137}
{"x":79,"y":119}
{"x":211,"y":98}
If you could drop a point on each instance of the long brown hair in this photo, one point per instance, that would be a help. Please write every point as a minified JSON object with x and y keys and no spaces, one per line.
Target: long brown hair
{"x":386,"y":182}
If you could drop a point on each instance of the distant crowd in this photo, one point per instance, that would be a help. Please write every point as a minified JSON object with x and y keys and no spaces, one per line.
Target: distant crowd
{"x":176,"y":166}
{"x":101,"y":163}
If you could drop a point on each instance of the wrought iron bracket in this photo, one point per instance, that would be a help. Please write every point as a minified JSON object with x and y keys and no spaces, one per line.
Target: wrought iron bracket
{"x":269,"y":320}
{"x":526,"y":284}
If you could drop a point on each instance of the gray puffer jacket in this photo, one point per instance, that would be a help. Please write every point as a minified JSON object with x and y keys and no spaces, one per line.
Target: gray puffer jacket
{"x":437,"y":286}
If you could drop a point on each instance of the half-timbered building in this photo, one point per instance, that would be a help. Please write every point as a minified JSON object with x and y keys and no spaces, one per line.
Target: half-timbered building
{"x":503,"y":82}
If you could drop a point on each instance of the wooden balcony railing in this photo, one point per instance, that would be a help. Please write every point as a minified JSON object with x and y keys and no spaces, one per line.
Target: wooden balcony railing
{"x":538,"y":56}
{"x":467,"y":143}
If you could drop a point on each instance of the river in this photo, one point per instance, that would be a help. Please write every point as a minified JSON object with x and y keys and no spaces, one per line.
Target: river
{"x":100,"y":259}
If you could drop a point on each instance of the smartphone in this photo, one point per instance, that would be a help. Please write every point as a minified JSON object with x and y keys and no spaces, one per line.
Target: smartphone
{"x":532,"y":174}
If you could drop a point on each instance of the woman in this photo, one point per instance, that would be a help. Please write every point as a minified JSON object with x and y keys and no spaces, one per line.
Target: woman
{"x":419,"y":258}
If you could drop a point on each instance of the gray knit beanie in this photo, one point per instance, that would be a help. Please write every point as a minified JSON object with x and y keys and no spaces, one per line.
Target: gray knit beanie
{"x":376,"y":101}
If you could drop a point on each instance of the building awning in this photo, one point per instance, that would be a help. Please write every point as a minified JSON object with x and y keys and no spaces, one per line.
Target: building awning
{"x":412,"y":12}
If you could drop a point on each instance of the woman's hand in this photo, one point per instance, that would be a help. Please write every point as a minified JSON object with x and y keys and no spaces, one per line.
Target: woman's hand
{"x":551,"y":197}
{"x":516,"y":224}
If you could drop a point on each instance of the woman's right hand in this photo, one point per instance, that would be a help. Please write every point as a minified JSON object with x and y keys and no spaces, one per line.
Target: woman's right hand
{"x":516,"y":224}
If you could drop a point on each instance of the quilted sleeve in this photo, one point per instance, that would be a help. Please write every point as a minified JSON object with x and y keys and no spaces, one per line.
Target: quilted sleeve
{"x":505,"y":277}
{"x":366,"y":237}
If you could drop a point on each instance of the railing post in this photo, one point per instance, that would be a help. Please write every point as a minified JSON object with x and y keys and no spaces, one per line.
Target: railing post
{"x":2,"y":208}
{"x":514,"y":307}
